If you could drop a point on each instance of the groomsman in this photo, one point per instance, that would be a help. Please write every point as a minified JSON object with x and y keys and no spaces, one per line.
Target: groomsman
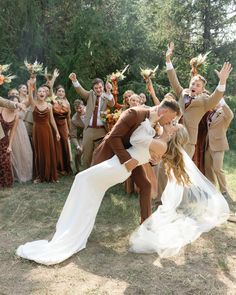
{"x":96,"y":101}
{"x":217,"y":143}
{"x":195,"y":101}
{"x":76,"y":130}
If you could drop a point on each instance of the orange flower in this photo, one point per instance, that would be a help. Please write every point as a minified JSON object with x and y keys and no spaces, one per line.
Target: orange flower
{"x":2,"y":78}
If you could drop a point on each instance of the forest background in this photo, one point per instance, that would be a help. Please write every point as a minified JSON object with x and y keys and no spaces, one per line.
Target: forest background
{"x":96,"y":38}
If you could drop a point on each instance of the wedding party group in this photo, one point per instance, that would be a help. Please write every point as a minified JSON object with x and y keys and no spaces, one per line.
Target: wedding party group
{"x":170,"y":153}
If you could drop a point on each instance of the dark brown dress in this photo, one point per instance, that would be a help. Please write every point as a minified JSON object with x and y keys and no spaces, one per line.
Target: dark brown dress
{"x":6,"y":175}
{"x":60,"y":113}
{"x":44,"y":149}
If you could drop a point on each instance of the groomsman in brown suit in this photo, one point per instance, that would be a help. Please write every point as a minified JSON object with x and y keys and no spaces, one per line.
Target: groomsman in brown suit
{"x":76,"y":130}
{"x":217,"y":143}
{"x":96,"y":101}
{"x":194,"y":101}
{"x":5,"y":103}
{"x":118,"y":140}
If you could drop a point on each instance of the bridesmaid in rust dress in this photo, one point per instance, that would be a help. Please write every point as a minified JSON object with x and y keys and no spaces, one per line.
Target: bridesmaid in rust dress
{"x":8,"y":123}
{"x":61,"y":112}
{"x":43,"y":143}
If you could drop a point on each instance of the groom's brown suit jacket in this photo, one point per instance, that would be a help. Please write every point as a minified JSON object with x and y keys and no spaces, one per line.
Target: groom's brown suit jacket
{"x":117,"y":141}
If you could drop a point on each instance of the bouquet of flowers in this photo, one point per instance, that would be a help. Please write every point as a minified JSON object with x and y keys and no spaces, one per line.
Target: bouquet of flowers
{"x":5,"y":78}
{"x":34,"y":68}
{"x":110,"y":117}
{"x":148,"y":73}
{"x":197,"y":62}
{"x":117,"y":76}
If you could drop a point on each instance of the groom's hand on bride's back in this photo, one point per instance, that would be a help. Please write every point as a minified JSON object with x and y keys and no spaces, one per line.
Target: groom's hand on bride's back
{"x":131,"y":164}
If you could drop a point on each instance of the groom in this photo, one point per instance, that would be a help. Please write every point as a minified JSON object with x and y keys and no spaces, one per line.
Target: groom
{"x":118,"y":140}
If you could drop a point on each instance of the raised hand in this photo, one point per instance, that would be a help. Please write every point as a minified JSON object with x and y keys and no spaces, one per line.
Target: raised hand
{"x":73,"y":77}
{"x":31,"y":82}
{"x":169,"y":52}
{"x":56,"y":73}
{"x":223,"y":74}
{"x":108,"y":87}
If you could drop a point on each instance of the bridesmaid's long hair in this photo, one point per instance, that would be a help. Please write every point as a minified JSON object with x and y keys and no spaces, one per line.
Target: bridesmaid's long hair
{"x":173,"y":158}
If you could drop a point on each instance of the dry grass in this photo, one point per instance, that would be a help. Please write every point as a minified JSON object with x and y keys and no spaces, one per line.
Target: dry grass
{"x":30,"y":212}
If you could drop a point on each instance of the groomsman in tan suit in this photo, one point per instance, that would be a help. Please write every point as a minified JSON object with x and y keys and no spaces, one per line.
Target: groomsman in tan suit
{"x":5,"y":103}
{"x":76,"y":130}
{"x":96,"y":101}
{"x":217,"y":143}
{"x":194,"y":101}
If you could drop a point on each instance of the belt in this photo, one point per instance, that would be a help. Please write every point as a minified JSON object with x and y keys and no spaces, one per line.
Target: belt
{"x":97,"y":127}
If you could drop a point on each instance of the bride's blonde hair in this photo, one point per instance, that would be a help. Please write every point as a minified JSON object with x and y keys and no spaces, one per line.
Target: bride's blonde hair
{"x":173,"y":158}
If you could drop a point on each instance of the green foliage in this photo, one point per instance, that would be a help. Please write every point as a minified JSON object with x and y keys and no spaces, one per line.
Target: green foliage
{"x":95,"y":38}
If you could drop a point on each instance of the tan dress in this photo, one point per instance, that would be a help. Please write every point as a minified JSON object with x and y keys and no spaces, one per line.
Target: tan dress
{"x":44,"y":149}
{"x":22,"y":154}
{"x":60,"y":113}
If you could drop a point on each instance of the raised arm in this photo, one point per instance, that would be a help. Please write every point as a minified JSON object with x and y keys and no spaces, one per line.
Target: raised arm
{"x":108,"y":95}
{"x":31,"y":87}
{"x":216,"y":96}
{"x":174,"y":82}
{"x":51,"y":82}
{"x":78,"y":88}
{"x":151,"y":91}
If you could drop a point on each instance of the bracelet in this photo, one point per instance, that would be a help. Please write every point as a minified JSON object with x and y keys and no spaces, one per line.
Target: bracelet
{"x":76,"y":84}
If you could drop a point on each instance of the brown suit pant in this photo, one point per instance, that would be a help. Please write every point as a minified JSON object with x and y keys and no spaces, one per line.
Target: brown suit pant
{"x":144,"y":185}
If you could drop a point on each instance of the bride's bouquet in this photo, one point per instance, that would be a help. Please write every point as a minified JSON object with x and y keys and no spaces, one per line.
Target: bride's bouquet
{"x":3,"y":77}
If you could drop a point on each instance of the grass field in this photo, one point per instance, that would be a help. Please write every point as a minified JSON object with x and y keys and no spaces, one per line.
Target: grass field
{"x":29,"y":212}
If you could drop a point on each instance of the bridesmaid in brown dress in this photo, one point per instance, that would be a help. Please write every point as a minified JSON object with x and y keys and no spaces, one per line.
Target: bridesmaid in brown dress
{"x":8,"y":123}
{"x":61,"y":112}
{"x":43,"y":143}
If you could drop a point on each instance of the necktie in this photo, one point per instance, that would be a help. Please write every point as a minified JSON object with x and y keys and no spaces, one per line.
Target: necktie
{"x":209,"y":119}
{"x":95,"y":113}
{"x":189,"y":101}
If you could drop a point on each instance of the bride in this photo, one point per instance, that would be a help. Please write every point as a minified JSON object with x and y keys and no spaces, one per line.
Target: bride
{"x":191,"y":205}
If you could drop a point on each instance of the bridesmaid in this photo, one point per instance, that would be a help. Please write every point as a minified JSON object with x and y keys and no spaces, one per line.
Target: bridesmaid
{"x":8,"y":123}
{"x":61,"y":112}
{"x":44,"y":149}
{"x":23,"y":92}
{"x":22,"y":154}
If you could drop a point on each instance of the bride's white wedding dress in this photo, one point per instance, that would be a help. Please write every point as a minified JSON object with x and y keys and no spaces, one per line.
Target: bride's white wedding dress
{"x":79,"y":212}
{"x":184,"y":215}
